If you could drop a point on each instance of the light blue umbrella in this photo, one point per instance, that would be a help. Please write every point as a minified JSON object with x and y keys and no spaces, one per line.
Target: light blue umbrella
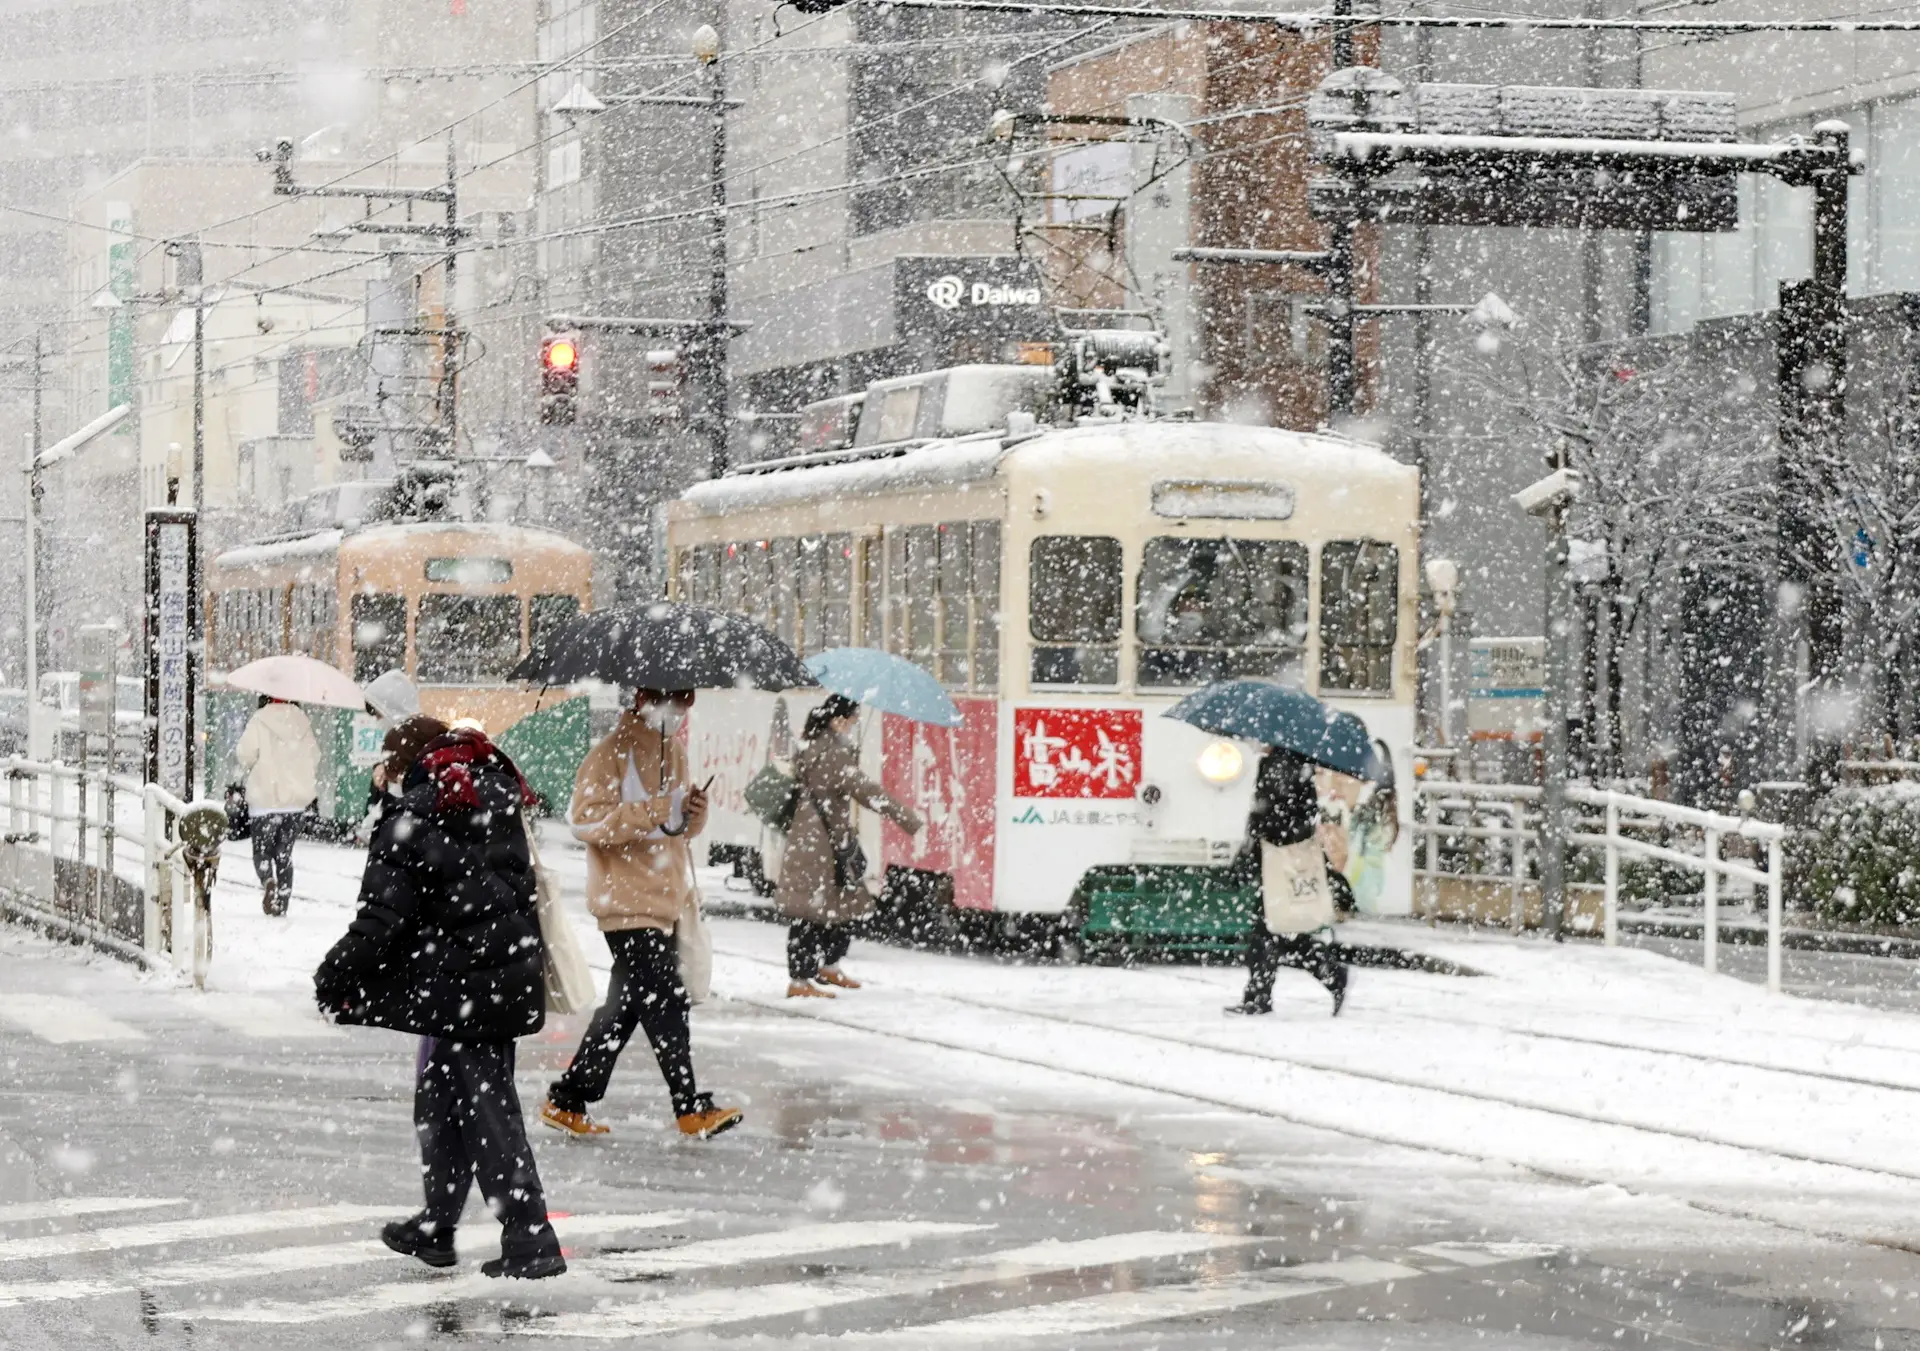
{"x":881,"y":680}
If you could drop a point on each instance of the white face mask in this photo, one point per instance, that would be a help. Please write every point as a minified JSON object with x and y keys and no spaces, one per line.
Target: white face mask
{"x":666,"y":717}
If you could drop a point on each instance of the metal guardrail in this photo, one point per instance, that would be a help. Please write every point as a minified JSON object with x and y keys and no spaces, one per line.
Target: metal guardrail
{"x":1484,"y":832}
{"x":64,"y":863}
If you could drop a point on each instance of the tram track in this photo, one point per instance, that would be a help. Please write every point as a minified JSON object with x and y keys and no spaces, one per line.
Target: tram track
{"x":1702,"y":1057}
{"x":1008,"y":1048}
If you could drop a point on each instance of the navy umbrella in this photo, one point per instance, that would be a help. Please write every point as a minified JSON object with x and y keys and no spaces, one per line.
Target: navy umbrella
{"x":664,"y":646}
{"x":1288,"y":719}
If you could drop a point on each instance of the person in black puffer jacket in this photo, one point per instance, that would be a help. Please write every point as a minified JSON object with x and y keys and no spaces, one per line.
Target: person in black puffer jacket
{"x":446,"y":944}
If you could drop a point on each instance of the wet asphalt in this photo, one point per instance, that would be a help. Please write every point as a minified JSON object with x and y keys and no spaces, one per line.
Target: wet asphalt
{"x":884,"y":1184}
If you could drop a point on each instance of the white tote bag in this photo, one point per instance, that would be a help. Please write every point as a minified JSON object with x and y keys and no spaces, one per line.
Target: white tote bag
{"x":569,"y":980}
{"x":1293,"y":887}
{"x":693,"y":946}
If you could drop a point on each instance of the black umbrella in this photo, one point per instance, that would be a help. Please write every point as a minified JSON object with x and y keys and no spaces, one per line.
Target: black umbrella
{"x":664,"y":646}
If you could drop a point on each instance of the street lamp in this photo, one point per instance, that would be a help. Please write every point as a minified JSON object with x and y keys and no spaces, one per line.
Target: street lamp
{"x":713,"y":351}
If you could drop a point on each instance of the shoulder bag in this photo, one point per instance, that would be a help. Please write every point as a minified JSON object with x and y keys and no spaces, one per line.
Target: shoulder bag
{"x":568,"y":978}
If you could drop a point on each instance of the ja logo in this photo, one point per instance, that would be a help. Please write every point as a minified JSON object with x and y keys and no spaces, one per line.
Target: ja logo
{"x":946,"y":291}
{"x":1030,"y":817}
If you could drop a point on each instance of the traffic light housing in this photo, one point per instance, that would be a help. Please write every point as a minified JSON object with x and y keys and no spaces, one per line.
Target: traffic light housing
{"x":666,"y":383}
{"x":559,"y":377}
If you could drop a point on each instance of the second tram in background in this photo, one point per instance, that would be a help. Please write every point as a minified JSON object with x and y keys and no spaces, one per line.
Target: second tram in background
{"x":1066,"y":583}
{"x":377,"y":576}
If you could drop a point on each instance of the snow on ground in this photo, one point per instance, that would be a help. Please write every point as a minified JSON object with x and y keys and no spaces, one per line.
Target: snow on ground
{"x":1636,"y":1076}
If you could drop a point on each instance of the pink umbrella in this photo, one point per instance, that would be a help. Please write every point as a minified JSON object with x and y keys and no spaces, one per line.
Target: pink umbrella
{"x":299,"y":680}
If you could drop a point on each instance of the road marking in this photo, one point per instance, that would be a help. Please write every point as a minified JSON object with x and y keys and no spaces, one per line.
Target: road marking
{"x":258,"y":1016}
{"x":799,"y":1241}
{"x":184,"y":1231}
{"x":58,"y":1019}
{"x":65,"y":1206}
{"x":315,"y":1257}
{"x":707,"y":1308}
{"x":1193,"y":1299}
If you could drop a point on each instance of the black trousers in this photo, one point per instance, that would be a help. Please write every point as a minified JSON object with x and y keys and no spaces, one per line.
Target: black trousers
{"x":273,"y":836}
{"x":467,"y":1115}
{"x":1268,"y":952}
{"x":645,"y":992}
{"x":812,"y":945}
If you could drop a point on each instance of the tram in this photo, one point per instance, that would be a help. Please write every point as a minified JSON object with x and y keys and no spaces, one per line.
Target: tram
{"x":1067,"y":584}
{"x":454,"y":604}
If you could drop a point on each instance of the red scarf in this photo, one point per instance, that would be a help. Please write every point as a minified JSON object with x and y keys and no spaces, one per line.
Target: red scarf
{"x":448,"y":761}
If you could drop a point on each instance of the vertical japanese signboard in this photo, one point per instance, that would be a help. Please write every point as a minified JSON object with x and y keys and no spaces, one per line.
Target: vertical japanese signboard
{"x":173,"y":623}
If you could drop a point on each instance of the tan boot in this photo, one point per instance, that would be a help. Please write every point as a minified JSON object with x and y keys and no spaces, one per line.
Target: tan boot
{"x":832,"y":975}
{"x":573,"y":1123}
{"x":806,"y":989}
{"x":706,"y":1120}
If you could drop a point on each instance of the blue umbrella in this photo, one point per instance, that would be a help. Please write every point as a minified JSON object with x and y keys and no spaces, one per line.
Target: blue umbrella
{"x":1288,"y":719}
{"x":883,"y":681}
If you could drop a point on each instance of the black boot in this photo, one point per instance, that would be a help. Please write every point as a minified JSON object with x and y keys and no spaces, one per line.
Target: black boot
{"x":1337,"y":986}
{"x":534,"y":1258}
{"x":416,"y":1238}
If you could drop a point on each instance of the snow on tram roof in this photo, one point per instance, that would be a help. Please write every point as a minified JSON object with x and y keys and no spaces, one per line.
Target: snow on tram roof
{"x":301,"y":548}
{"x":941,"y":464}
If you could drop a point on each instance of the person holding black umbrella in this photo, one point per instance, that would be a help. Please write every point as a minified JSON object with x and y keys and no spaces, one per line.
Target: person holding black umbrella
{"x":636,"y":811}
{"x":1296,"y":900}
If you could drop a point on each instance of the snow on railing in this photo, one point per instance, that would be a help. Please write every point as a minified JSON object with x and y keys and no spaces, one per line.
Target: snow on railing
{"x":1481,"y":833}
{"x":65,"y":868}
{"x":1623,"y":808}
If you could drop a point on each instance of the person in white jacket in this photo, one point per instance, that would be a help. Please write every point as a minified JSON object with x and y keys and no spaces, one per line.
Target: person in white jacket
{"x":281,"y":758}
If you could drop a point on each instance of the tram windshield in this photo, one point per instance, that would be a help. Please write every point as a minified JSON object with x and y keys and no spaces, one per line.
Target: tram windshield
{"x":1210,"y":609}
{"x":467,"y":640}
{"x":1075,"y":610}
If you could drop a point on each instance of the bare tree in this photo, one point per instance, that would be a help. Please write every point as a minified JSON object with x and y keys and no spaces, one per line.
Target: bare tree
{"x":1678,"y":483}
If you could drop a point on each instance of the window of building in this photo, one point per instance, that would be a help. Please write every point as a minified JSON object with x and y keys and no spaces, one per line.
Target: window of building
{"x":467,"y":640}
{"x":1074,"y":609}
{"x":1359,"y":616}
{"x":379,"y":635}
{"x":1212,"y":609}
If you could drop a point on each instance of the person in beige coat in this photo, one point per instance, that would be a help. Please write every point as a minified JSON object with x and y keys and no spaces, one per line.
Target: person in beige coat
{"x":823,"y":873}
{"x":637,"y":813}
{"x":281,"y":761}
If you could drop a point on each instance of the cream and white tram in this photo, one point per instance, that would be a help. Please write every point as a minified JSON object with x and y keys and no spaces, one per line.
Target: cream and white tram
{"x":1067,"y":585}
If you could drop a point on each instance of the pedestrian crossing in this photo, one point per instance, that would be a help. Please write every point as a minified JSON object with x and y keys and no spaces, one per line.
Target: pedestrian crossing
{"x":940,"y":1283}
{"x":62,"y":1020}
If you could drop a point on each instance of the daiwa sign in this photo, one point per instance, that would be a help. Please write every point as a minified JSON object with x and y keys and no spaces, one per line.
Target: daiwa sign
{"x":950,"y":291}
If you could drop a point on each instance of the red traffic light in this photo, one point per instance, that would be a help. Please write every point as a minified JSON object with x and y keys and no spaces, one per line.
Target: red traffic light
{"x":560,"y":354}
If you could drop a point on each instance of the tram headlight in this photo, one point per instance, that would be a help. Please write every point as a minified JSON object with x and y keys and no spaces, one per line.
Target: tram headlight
{"x":1220,"y":762}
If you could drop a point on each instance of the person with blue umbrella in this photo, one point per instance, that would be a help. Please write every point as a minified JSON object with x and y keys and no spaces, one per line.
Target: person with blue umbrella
{"x":1297,"y":910}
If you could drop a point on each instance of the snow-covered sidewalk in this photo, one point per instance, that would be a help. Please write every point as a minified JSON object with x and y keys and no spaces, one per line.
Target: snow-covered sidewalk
{"x":1611,"y":1067}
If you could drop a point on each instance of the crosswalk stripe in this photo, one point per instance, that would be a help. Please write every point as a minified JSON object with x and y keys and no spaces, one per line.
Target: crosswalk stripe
{"x":707,"y":1308}
{"x":280,"y":1261}
{"x":183,"y":1231}
{"x":66,"y":1207}
{"x":58,"y":1019}
{"x":262,"y":1018}
{"x":1487,"y":1254}
{"x":702,"y":1255}
{"x":1192,"y":1299}
{"x":799,"y":1241}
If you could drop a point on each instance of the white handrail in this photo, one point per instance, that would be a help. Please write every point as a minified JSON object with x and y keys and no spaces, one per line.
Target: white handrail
{"x":1622,"y":811}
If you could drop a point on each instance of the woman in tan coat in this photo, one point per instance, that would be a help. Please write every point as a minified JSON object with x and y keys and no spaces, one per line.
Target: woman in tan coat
{"x":823,"y":873}
{"x":636,"y":811}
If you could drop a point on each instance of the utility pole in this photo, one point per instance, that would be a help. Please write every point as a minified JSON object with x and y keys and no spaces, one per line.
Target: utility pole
{"x":1343,"y":376}
{"x":715,"y":341}
{"x":31,"y":512}
{"x":449,"y":341}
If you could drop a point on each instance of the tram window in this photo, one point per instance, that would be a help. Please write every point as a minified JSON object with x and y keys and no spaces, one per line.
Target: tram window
{"x":836,"y":591}
{"x":700,"y":574}
{"x":868,"y":560}
{"x":467,"y":640}
{"x":379,"y":635}
{"x":956,"y":554}
{"x":1073,"y":611}
{"x":894,"y":613}
{"x":783,"y":557}
{"x":1359,"y":615}
{"x":986,"y":605}
{"x":1210,"y":609}
{"x":923,"y":581}
{"x":733,"y":578}
{"x":547,"y":613}
{"x":809,"y":580}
